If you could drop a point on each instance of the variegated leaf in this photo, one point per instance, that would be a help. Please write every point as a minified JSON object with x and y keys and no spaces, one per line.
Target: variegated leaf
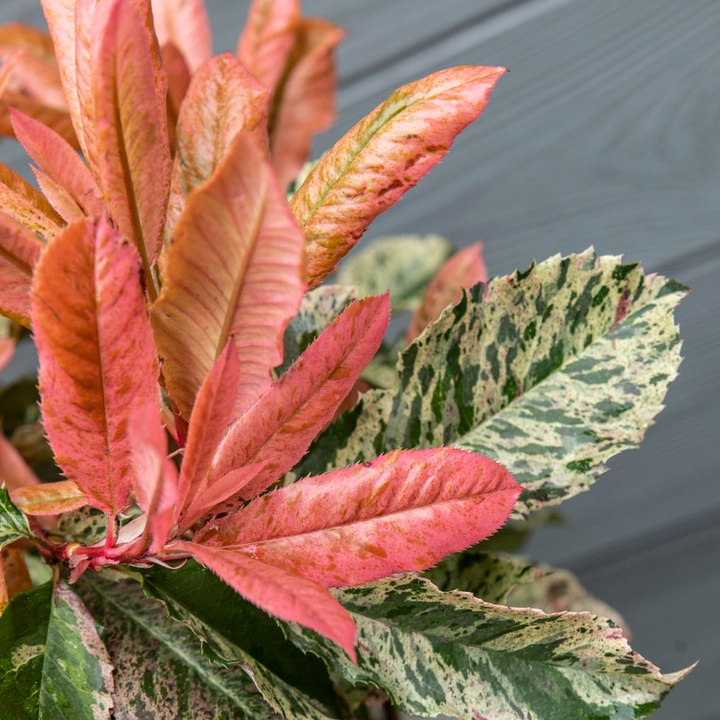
{"x":403,"y":264}
{"x":52,"y":657}
{"x":53,"y":498}
{"x":318,"y":310}
{"x":13,"y":524}
{"x":235,"y":631}
{"x":451,"y":653}
{"x":304,"y":103}
{"x":97,"y":360}
{"x":488,"y":576}
{"x":86,"y":525}
{"x":234,"y":269}
{"x":463,"y":270}
{"x":186,"y":25}
{"x":382,"y":157}
{"x":279,"y":427}
{"x":550,"y":372}
{"x":160,"y":670}
{"x":222,"y":101}
{"x":403,"y":511}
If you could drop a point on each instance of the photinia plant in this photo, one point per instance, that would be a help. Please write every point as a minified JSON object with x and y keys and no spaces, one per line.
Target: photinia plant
{"x":254,"y":480}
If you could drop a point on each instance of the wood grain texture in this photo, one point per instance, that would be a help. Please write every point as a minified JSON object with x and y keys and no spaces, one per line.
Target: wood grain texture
{"x":605,"y":133}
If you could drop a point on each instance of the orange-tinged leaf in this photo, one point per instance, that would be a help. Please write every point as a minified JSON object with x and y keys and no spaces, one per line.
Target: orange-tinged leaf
{"x":58,"y":162}
{"x":305,"y":103}
{"x":28,"y":206}
{"x":463,"y":270}
{"x":382,"y":157}
{"x":285,"y":595}
{"x":7,"y":348}
{"x":186,"y":25}
{"x":211,"y":414}
{"x":402,"y":512}
{"x":19,"y":252}
{"x":59,"y":198}
{"x":58,"y":120}
{"x":60,"y":17}
{"x":268,"y":38}
{"x":178,"y":77}
{"x":234,"y":269}
{"x":223,"y":100}
{"x":14,"y":575}
{"x":14,"y":471}
{"x":133,"y":152}
{"x":97,"y":362}
{"x":278,"y":429}
{"x":51,"y":498}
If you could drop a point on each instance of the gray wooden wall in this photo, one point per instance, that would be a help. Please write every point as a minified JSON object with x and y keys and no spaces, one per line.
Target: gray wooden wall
{"x":606,"y":132}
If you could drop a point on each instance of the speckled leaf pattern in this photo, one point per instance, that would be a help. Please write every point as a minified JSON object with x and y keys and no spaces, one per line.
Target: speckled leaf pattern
{"x":403,"y":264}
{"x":550,"y":372}
{"x":235,"y":631}
{"x":13,"y":524}
{"x":160,"y":671}
{"x":52,"y":661}
{"x":488,"y":576}
{"x":384,"y":155}
{"x":451,"y":653}
{"x":52,"y":498}
{"x":318,"y":309}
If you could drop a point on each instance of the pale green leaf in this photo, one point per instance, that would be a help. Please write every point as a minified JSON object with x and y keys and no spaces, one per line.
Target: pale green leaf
{"x":235,"y":631}
{"x":451,"y":653}
{"x":403,"y":264}
{"x":53,"y":663}
{"x":13,"y":523}
{"x":318,"y":309}
{"x":160,"y":671}
{"x":550,"y":372}
{"x":86,"y":525}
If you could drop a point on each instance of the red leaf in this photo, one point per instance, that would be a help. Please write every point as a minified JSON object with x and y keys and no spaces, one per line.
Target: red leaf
{"x":282,"y":594}
{"x":279,"y":427}
{"x":186,"y":25}
{"x":97,"y":361}
{"x":14,"y":471}
{"x":402,"y":512}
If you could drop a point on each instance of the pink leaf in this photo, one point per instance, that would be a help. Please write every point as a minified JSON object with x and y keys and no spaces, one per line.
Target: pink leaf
{"x":306,"y":104}
{"x":279,"y":427}
{"x":97,"y":361}
{"x":402,"y":512}
{"x":211,"y":414}
{"x":463,"y":270}
{"x":222,"y":101}
{"x":7,"y":343}
{"x":19,"y":252}
{"x":155,"y":478}
{"x":382,"y":157}
{"x":267,"y":39}
{"x":282,"y":594}
{"x":133,"y":152}
{"x":186,"y":25}
{"x":235,"y":268}
{"x":58,"y":161}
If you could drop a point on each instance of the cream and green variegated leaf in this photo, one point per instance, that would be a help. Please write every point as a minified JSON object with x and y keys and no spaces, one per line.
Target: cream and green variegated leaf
{"x":550,"y":372}
{"x":510,"y":580}
{"x":52,"y":657}
{"x":86,"y":525}
{"x":160,"y":671}
{"x":318,"y":309}
{"x":403,"y":264}
{"x":13,"y":523}
{"x":236,"y":632}
{"x":488,"y":576}
{"x":452,"y":653}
